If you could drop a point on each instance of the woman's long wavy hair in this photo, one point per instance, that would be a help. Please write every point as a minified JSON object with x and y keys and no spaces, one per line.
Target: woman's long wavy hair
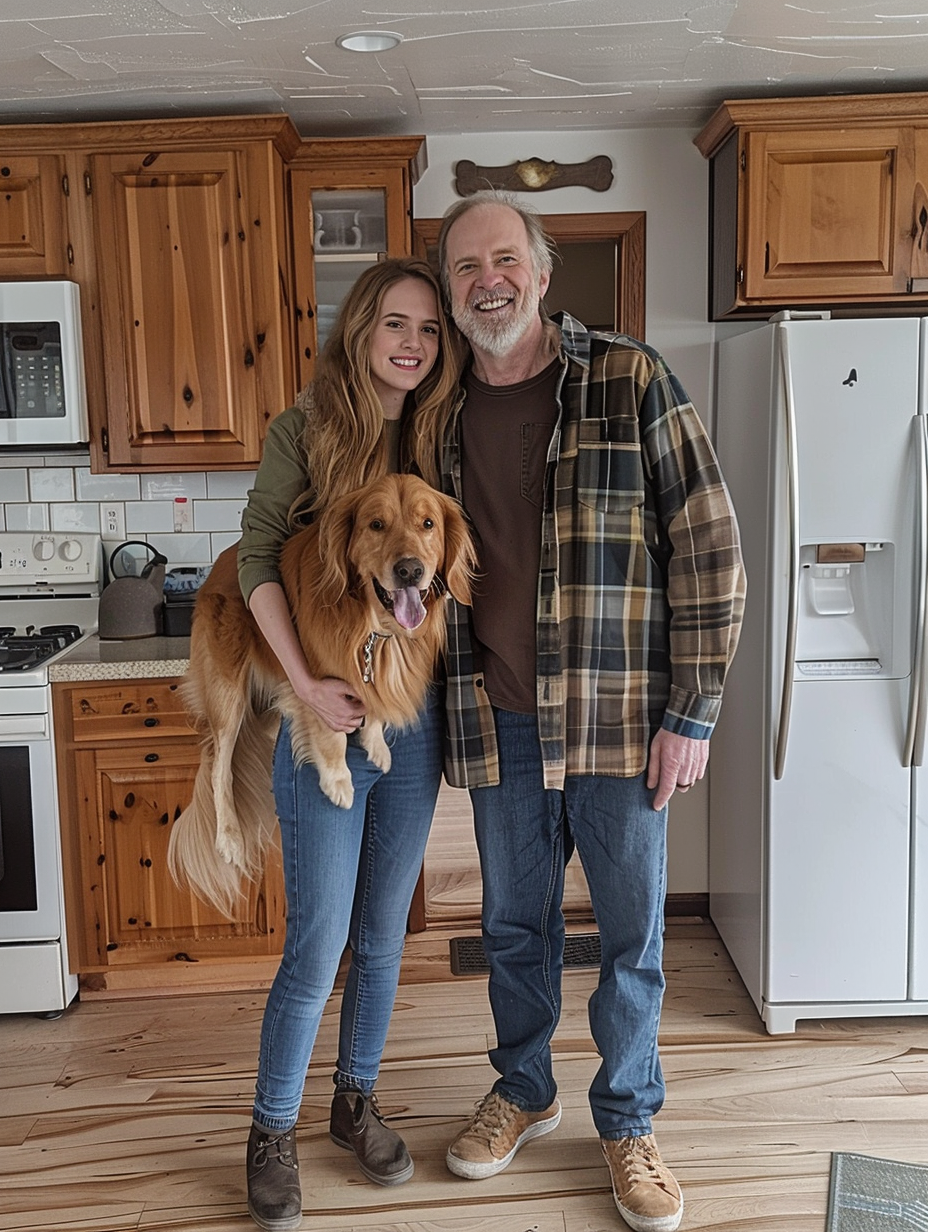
{"x":344,"y":437}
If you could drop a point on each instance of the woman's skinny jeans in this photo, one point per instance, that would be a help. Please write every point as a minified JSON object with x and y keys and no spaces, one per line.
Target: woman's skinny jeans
{"x":349,"y":876}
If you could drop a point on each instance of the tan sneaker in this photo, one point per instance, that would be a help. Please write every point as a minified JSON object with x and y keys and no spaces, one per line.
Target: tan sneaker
{"x":646,"y":1191}
{"x":496,"y":1132}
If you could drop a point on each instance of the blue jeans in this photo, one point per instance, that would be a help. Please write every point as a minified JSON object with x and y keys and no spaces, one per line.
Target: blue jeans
{"x":349,"y":876}
{"x":521,"y":831}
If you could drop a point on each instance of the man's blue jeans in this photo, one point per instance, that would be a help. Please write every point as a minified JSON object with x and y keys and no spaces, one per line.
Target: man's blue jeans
{"x":521,"y":829}
{"x":349,"y":876}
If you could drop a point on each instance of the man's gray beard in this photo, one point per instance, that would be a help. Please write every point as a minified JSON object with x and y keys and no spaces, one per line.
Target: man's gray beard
{"x":489,"y":334}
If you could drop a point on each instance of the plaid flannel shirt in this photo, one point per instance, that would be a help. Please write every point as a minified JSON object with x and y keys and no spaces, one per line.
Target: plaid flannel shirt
{"x":641,"y":588}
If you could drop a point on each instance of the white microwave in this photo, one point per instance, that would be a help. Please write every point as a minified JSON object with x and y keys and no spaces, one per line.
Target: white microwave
{"x":43,"y":398}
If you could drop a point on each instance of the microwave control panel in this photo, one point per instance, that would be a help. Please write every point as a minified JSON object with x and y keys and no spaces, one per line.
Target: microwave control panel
{"x":31,"y":378}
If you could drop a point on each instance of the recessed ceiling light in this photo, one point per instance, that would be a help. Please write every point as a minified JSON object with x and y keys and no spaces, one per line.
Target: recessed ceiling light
{"x":369,"y":40}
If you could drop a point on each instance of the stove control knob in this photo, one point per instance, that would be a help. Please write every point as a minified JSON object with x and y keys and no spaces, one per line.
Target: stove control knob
{"x":71,"y":549}
{"x":44,"y":549}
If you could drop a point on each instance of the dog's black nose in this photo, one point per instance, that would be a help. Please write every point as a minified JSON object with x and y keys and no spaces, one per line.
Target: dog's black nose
{"x":408,"y":571}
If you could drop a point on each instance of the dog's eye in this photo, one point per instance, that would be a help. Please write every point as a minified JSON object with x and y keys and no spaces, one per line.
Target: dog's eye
{"x":428,"y":523}
{"x":377,"y":524}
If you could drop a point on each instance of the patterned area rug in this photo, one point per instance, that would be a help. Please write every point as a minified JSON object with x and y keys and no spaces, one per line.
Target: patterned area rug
{"x":468,"y":957}
{"x":876,"y":1195}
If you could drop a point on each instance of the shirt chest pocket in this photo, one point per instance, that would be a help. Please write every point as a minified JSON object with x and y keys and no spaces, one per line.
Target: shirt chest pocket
{"x":609,"y":476}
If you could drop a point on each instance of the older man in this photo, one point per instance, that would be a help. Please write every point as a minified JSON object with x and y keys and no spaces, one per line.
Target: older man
{"x":585,"y":683}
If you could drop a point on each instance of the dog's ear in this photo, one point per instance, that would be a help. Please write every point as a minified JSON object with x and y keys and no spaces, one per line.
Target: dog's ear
{"x":336,"y":523}
{"x":460,"y":556}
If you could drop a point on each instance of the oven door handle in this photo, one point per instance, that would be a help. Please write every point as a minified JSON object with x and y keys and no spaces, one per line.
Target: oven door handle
{"x":17,"y":726}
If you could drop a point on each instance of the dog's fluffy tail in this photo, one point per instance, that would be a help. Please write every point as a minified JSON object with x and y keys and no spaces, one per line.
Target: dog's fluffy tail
{"x":193,"y":858}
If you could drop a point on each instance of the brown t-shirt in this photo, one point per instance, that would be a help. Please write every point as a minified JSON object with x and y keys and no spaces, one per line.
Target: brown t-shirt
{"x":505,"y":433}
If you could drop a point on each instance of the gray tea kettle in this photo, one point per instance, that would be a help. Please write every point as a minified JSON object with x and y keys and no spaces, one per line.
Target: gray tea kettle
{"x":132,"y":606}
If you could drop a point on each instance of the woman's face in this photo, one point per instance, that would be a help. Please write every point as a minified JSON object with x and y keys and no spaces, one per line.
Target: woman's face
{"x":404,"y":342}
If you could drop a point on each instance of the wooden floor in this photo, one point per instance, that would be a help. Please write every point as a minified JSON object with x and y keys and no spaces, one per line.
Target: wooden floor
{"x":133,"y":1113}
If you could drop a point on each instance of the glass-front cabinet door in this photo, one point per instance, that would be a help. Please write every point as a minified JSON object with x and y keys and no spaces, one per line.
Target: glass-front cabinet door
{"x":351,"y":205}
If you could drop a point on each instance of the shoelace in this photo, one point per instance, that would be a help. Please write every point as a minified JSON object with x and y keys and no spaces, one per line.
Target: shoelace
{"x":270,"y":1148}
{"x":642,"y":1162}
{"x":490,"y":1118}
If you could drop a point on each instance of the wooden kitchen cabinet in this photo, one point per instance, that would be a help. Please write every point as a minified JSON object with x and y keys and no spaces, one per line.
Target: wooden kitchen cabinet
{"x":350,"y":205}
{"x":818,"y":202}
{"x":126,"y":764}
{"x":192,"y":256}
{"x":33,"y":215}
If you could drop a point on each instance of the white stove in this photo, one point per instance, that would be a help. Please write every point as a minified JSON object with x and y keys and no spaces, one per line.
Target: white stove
{"x":49,"y":596}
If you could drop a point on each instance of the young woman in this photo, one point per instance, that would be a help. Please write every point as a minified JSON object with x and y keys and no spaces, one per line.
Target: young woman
{"x":378,"y":402}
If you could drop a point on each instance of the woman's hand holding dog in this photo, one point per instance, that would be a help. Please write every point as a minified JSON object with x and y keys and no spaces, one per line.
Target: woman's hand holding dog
{"x":333,"y":701}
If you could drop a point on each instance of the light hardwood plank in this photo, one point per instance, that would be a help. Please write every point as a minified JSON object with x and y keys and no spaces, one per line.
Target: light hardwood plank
{"x":133,"y":1113}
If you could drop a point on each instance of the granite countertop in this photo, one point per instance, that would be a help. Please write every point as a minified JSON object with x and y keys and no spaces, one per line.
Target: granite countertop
{"x":126,"y":659}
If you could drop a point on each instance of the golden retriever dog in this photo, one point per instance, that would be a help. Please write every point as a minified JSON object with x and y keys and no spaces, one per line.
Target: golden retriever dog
{"x":367,"y":583}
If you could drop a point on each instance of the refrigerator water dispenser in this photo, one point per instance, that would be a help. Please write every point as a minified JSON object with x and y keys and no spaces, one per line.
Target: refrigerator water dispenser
{"x":846,"y":611}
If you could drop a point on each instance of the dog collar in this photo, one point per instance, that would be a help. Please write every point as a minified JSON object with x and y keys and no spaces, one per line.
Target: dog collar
{"x":368,"y":674}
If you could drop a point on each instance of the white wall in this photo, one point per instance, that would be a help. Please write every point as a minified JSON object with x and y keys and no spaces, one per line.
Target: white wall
{"x":661,"y":172}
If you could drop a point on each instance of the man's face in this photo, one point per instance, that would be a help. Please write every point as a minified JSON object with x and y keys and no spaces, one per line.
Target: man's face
{"x":495,"y":290}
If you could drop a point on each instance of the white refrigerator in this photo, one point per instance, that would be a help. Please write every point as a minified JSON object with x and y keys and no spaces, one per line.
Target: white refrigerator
{"x":818,"y":831}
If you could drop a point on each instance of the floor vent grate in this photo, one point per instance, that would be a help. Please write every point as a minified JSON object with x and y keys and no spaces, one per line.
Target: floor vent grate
{"x":468,"y":956}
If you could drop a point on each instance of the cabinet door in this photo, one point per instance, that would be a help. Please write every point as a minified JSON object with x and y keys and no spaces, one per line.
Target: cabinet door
{"x":194,"y":331}
{"x":827,"y":214}
{"x":142,"y":916}
{"x":33,"y":242}
{"x":344,"y":219}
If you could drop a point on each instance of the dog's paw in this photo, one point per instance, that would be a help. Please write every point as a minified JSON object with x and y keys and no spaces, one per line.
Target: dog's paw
{"x":378,"y":751}
{"x":230,"y":847}
{"x":337,"y":786}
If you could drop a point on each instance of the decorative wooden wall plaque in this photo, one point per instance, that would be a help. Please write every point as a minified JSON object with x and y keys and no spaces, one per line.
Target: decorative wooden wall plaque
{"x":534,"y":175}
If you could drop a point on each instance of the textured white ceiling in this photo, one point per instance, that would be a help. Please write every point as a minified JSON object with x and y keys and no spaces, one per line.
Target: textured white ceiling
{"x":538,"y":64}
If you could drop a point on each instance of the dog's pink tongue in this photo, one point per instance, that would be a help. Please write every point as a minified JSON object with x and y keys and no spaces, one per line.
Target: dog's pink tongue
{"x":408,"y":610}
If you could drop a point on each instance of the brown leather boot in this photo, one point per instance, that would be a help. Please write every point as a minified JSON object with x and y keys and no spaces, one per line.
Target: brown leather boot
{"x":275,"y":1202}
{"x":357,"y":1125}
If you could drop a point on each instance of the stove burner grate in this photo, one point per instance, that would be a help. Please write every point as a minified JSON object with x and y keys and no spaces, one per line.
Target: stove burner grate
{"x":20,"y":651}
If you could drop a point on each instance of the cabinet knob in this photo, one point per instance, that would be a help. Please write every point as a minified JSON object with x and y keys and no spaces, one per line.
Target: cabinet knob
{"x":152,"y":756}
{"x":152,"y":722}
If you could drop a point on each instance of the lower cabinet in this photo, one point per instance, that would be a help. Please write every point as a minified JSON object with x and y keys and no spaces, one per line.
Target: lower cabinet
{"x":127,"y":759}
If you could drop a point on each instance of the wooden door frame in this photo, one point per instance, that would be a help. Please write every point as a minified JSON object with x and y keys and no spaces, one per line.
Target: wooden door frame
{"x":627,"y":228}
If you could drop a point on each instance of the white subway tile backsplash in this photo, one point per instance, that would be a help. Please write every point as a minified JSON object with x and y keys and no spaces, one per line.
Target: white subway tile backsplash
{"x":106,"y":487}
{"x":223,"y":541}
{"x":146,"y":517}
{"x":82,"y":517}
{"x":27,"y":517}
{"x":217,"y":514}
{"x":14,"y":484}
{"x":183,"y":549}
{"x":38,"y":494}
{"x":55,"y":483}
{"x":229,"y":485}
{"x":166,"y":487}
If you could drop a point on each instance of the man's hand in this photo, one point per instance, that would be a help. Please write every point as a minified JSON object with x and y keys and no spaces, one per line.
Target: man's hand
{"x":675,"y":764}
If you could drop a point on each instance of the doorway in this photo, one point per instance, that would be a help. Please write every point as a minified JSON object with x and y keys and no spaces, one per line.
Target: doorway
{"x":599,"y":279}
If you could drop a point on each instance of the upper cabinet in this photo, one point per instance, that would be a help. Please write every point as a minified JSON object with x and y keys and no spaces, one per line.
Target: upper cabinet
{"x":33,"y":225}
{"x":211,"y":255}
{"x":350,"y":205}
{"x":818,"y":202}
{"x":192,"y":253}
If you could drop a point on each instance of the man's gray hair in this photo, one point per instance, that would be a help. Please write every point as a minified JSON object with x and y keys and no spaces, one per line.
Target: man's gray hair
{"x":541,"y":246}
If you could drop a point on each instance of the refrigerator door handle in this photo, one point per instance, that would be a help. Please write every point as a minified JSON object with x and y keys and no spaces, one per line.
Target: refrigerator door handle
{"x":914,"y":749}
{"x":792,"y":508}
